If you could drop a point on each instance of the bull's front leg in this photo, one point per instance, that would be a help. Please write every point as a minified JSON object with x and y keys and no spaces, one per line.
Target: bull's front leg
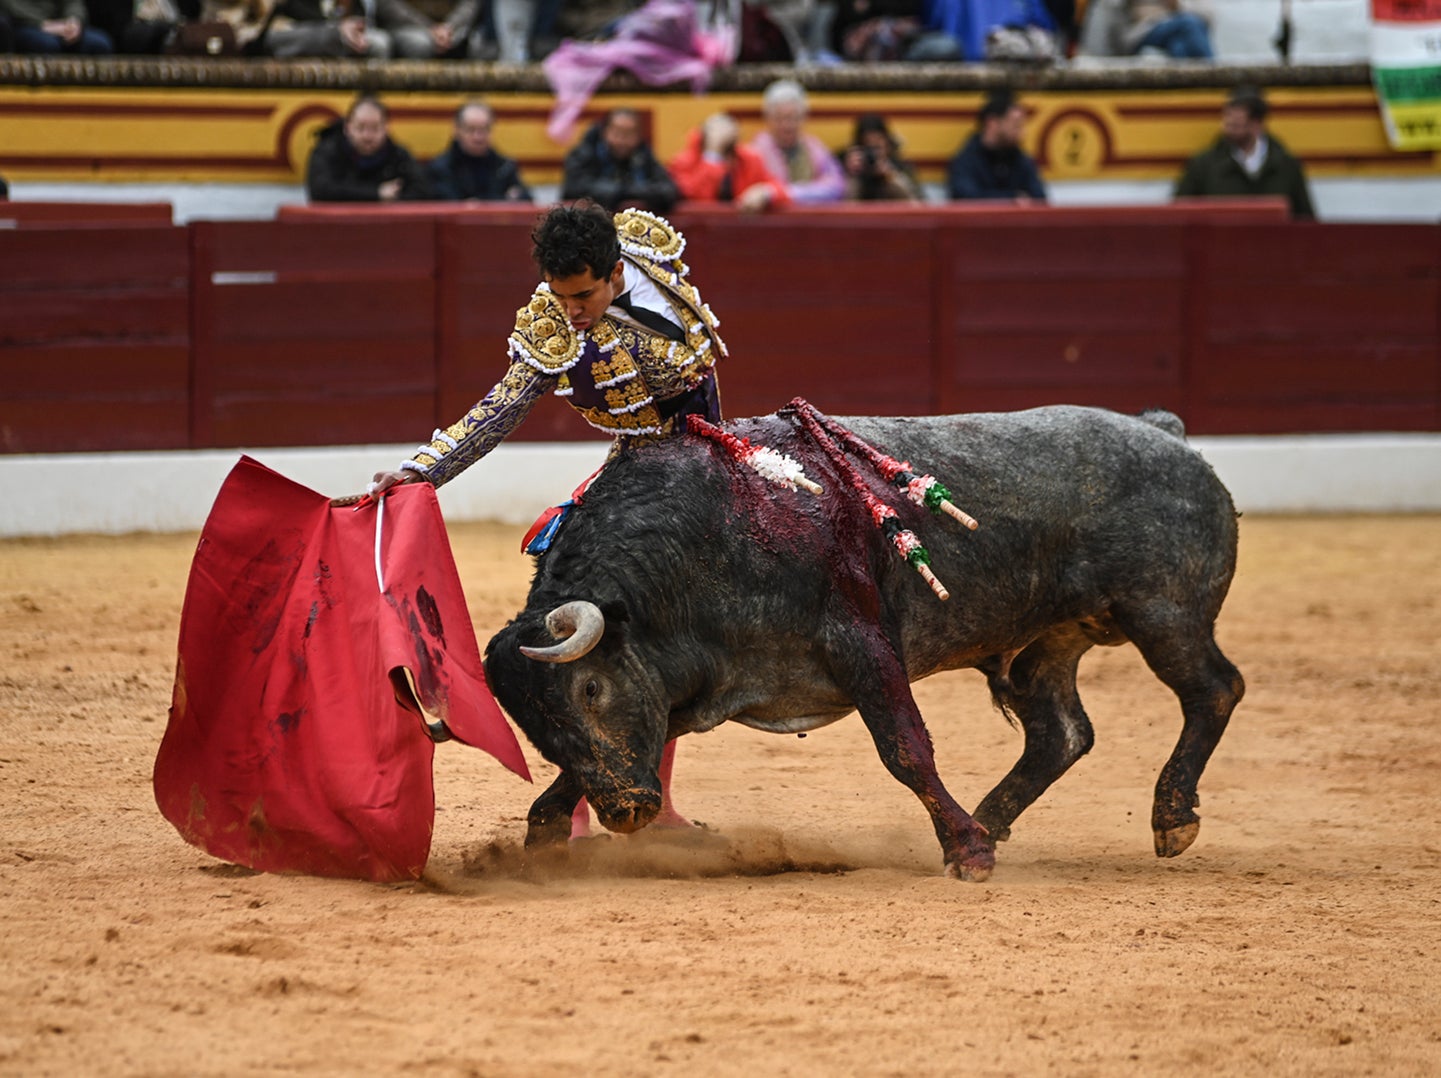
{"x":549,"y":821}
{"x":882,"y":694}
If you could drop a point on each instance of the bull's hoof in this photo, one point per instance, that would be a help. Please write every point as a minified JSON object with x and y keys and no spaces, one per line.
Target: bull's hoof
{"x":1175,"y":840}
{"x":973,"y":862}
{"x":539,"y":833}
{"x":970,"y":873}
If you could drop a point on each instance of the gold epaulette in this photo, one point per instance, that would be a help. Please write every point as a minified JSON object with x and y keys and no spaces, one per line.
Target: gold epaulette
{"x":646,"y":235}
{"x":544,"y":337}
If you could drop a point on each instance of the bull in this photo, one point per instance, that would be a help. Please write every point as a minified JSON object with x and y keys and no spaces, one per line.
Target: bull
{"x":685,"y":592}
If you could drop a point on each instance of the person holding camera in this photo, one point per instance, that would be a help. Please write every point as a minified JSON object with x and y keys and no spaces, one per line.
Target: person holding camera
{"x":874,"y":169}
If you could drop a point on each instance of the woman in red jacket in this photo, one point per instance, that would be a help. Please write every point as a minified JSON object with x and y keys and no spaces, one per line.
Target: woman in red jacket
{"x":715,"y":167}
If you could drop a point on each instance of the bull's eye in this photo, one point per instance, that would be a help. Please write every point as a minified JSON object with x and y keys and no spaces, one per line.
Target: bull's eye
{"x":591,"y":688}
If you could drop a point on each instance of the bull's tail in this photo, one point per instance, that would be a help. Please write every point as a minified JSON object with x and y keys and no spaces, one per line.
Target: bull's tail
{"x":1169,"y":422}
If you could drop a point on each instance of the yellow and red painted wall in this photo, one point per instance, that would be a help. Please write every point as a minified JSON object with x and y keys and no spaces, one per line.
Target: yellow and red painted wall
{"x":191,"y":135}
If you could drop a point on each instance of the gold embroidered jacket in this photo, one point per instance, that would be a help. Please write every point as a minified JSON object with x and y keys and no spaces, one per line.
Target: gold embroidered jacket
{"x":625,"y":379}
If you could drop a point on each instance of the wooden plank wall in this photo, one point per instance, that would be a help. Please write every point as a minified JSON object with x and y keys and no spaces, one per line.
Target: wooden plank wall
{"x":313,"y":333}
{"x":358,"y":327}
{"x":94,"y":338}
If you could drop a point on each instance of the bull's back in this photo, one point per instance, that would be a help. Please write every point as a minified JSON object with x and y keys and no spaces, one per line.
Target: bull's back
{"x":1081,"y":510}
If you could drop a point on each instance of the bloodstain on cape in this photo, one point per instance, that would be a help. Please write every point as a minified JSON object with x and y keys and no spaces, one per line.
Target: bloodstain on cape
{"x":296,"y":740}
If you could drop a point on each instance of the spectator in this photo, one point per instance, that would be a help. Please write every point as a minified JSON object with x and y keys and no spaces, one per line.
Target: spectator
{"x":318,"y":28}
{"x":797,"y":160}
{"x":511,"y":26}
{"x":1247,"y":159}
{"x":615,"y":166}
{"x":355,"y":160}
{"x":1063,"y":14}
{"x":4,"y":190}
{"x":409,"y":34}
{"x":786,"y":31}
{"x":55,"y":26}
{"x":1020,"y":30}
{"x":992,"y":164}
{"x":874,"y":169}
{"x":715,"y":167}
{"x":247,"y":19}
{"x":470,"y":169}
{"x":883,"y":31}
{"x":143,"y":28}
{"x":1175,"y":28}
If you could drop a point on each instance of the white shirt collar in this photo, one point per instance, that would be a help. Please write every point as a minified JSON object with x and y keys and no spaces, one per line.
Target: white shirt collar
{"x":1252,"y":162}
{"x":644,"y":293}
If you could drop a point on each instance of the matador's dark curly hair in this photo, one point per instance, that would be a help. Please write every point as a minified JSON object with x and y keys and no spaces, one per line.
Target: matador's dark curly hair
{"x":569,"y":239}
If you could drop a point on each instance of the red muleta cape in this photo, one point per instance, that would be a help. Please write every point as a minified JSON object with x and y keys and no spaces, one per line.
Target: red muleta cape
{"x":295,"y":741}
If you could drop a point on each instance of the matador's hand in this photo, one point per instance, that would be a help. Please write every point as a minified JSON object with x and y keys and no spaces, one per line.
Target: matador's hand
{"x":382,"y":482}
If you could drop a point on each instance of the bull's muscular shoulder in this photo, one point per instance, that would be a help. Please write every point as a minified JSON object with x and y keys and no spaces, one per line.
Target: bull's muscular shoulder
{"x":543,"y":336}
{"x":648,"y":236}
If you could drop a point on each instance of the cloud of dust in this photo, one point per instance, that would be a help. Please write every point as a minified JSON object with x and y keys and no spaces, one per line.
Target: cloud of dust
{"x":693,"y":854}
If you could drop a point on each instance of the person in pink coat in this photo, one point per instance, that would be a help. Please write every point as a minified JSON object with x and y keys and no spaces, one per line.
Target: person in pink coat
{"x":800,"y":162}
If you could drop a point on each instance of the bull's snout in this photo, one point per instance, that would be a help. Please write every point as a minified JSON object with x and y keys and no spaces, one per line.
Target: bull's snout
{"x":630,"y":811}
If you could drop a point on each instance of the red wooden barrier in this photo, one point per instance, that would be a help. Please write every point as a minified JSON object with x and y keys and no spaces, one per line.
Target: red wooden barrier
{"x":1037,"y":312}
{"x":313,"y":334}
{"x":401,"y":211}
{"x":839,"y":312}
{"x":94,"y":339}
{"x":1258,"y":209}
{"x":1315,"y":328}
{"x":365,"y":325}
{"x":83,"y":214}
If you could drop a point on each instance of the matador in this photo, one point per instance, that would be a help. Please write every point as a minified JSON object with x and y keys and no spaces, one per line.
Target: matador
{"x":618,"y":330}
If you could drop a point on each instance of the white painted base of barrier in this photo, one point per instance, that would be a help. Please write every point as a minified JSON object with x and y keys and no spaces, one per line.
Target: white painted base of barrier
{"x":1328,"y":473}
{"x":54,"y":494}
{"x":113,"y":493}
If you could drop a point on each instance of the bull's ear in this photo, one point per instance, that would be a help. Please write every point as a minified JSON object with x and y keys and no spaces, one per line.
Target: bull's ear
{"x":615,"y":612}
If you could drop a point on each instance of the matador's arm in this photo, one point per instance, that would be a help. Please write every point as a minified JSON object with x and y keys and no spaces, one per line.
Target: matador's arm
{"x":481,"y":429}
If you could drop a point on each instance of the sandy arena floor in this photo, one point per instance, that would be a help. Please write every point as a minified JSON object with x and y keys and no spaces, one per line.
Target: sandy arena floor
{"x":812,"y":933}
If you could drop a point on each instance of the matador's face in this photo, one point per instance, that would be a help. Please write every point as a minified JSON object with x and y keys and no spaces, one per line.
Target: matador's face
{"x":586,"y":296}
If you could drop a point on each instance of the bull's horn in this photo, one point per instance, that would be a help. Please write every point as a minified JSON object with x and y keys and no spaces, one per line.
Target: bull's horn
{"x":577,"y":624}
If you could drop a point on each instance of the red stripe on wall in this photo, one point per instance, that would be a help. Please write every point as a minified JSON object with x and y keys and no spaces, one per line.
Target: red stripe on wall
{"x":1406,"y":10}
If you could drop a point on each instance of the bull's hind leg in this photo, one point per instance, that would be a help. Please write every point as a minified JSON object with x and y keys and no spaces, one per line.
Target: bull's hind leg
{"x":877,"y":683}
{"x":1186,"y":658}
{"x":1039,"y":690}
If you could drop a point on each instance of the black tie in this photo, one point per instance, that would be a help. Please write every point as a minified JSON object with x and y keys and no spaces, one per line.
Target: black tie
{"x":646,"y":317}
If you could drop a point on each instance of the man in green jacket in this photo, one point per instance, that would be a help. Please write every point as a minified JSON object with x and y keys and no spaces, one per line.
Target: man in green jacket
{"x":1247,"y":159}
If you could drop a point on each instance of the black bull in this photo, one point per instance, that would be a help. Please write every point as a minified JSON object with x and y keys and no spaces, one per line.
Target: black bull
{"x":686,"y":592}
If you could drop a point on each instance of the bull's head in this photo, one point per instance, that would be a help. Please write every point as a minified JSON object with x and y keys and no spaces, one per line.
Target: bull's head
{"x":575,"y":684}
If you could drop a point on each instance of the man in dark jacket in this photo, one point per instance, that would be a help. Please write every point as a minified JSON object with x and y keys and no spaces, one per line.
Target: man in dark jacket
{"x":355,"y":160}
{"x":992,"y":164}
{"x":1247,"y":159}
{"x":614,"y":166}
{"x":470,"y":170}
